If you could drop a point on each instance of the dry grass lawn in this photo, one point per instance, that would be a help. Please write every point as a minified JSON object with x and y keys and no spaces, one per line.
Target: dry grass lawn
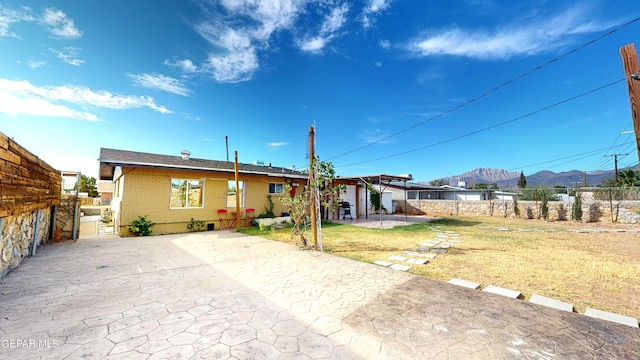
{"x":594,"y":269}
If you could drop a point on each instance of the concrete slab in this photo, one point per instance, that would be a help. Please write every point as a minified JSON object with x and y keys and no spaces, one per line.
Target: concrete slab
{"x":604,"y":315}
{"x":552,"y":303}
{"x":397,"y":258}
{"x":382,"y":263}
{"x":502,"y":291}
{"x":417,"y":261}
{"x":226,"y":295}
{"x":464,"y":283}
{"x":400,"y":267}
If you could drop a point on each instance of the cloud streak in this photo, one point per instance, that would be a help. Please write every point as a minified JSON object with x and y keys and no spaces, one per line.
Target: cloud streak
{"x":507,"y":41}
{"x":22,"y":97}
{"x":68,"y":55}
{"x":160,"y":82}
{"x":331,"y":24}
{"x":59,"y":24}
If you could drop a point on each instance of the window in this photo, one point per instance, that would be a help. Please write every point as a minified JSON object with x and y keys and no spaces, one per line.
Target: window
{"x":186,"y":193}
{"x":276,"y":188}
{"x":231,"y":193}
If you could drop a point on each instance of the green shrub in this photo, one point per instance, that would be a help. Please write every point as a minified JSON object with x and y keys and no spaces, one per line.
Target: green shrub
{"x":195,"y":225}
{"x":141,"y":226}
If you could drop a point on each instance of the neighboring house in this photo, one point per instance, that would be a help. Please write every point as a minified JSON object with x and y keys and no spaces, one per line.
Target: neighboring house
{"x":105,"y":190}
{"x":419,"y":191}
{"x":172,"y":190}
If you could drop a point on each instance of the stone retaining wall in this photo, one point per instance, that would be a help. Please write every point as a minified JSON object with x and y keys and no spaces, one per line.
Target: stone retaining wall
{"x":18,"y":234}
{"x":625,"y":212}
{"x":64,"y":218}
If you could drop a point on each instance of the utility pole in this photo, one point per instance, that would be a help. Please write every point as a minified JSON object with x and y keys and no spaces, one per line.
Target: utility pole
{"x":631,"y":73}
{"x":312,"y":187}
{"x":615,"y":162}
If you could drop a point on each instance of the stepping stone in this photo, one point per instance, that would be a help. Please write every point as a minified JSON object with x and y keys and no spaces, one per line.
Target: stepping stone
{"x":412,"y":253}
{"x":503,"y":229}
{"x":417,"y":261}
{"x":502,"y":291}
{"x":428,"y":244}
{"x":464,"y":283}
{"x":449,"y":232}
{"x":552,"y":303}
{"x":400,"y":267}
{"x":423,"y":248}
{"x":441,"y":246}
{"x":383,"y":263}
{"x":439,"y":251}
{"x":430,"y":256}
{"x":620,"y":319}
{"x":397,"y":258}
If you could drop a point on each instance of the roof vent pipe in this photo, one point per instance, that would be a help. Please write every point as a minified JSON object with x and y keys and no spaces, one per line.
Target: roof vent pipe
{"x":185,"y":154}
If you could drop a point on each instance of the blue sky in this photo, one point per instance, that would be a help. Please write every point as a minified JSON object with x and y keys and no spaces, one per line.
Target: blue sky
{"x":431,"y":88}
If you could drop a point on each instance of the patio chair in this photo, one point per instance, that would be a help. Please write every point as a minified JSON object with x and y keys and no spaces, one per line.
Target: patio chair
{"x":249,"y":215}
{"x":223,"y":217}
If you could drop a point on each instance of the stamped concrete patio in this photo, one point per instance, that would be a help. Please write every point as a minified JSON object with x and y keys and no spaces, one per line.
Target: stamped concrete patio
{"x":219,"y":295}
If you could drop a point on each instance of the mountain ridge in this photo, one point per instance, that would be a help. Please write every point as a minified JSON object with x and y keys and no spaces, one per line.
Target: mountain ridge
{"x":509,"y":179}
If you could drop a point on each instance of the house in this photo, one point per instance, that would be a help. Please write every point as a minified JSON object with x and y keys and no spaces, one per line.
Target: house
{"x":173,"y":190}
{"x":420,"y":191}
{"x":359,"y":191}
{"x":105,"y":190}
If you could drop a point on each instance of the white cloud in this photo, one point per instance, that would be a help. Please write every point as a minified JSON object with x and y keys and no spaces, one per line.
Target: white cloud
{"x":9,"y":17}
{"x":160,"y":82}
{"x":184,"y":65}
{"x":385,"y":44}
{"x":372,"y":9}
{"x":237,"y":41}
{"x":332,"y":23}
{"x":239,"y":60}
{"x":22,"y":97}
{"x":69,"y":55}
{"x":60,"y":24}
{"x":36,"y":64}
{"x":278,"y":144}
{"x":511,"y":40}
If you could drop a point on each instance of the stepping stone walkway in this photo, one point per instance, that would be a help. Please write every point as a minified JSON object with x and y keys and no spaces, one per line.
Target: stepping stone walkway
{"x":439,"y":245}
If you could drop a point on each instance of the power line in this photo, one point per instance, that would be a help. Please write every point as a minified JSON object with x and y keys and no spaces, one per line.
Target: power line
{"x":490,"y":127}
{"x":489,"y":92}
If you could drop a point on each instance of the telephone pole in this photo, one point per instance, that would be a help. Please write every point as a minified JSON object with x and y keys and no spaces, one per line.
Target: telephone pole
{"x":631,"y":73}
{"x":615,"y":162}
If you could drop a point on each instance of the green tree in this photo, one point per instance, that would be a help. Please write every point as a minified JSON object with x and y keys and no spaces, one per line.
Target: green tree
{"x":629,"y":178}
{"x":299,"y":205}
{"x":522,"y":183}
{"x":439,"y":182}
{"x":88,"y":185}
{"x":576,"y":214}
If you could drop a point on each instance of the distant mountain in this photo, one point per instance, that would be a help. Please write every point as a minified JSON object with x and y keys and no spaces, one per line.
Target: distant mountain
{"x":509,"y":179}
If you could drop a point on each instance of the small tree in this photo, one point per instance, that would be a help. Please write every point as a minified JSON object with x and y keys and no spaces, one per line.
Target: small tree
{"x":544,"y":208}
{"x":516,"y":209}
{"x":576,"y":213}
{"x":88,"y":185}
{"x":439,"y":182}
{"x":299,"y":205}
{"x":522,"y":182}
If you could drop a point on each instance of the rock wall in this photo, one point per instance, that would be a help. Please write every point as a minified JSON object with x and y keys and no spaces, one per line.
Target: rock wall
{"x":64,"y":218}
{"x":17,"y":236}
{"x":625,"y":212}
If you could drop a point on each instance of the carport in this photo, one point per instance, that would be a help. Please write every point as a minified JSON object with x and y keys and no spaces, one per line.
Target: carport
{"x":382,"y":181}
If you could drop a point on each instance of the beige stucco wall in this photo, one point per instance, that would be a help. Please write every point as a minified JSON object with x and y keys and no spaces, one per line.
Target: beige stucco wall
{"x":147,"y":192}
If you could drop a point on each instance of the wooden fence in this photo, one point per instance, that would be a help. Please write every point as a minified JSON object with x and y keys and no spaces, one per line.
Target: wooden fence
{"x":26,"y":182}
